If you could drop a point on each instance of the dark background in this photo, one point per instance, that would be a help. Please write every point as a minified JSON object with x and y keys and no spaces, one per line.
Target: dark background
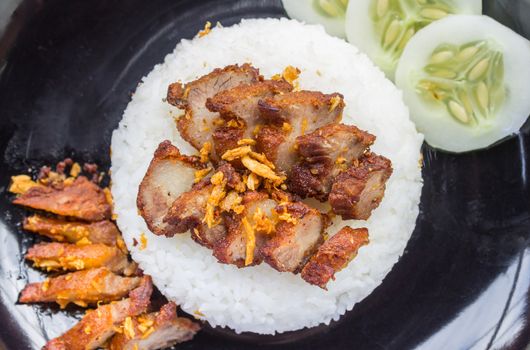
{"x":68,"y":69}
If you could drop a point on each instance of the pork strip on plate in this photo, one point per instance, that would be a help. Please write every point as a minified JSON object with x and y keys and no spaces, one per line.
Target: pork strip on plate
{"x":188,"y":211}
{"x":99,"y":325}
{"x":325,"y":153}
{"x":82,"y":199}
{"x":298,"y":235}
{"x":291,"y":115}
{"x":240,"y":103}
{"x":334,"y":255}
{"x":72,"y":257}
{"x":197,"y":124}
{"x":82,"y":288}
{"x":154,"y":331}
{"x":256,"y":222}
{"x":61,"y":230}
{"x":169,"y":174}
{"x":356,"y":192}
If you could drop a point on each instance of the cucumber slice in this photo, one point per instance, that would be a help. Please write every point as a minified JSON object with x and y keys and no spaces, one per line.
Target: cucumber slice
{"x":329,"y":13}
{"x":465,"y":79}
{"x":382,"y":28}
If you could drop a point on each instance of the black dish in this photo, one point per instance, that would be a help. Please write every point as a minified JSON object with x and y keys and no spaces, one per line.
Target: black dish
{"x":463,"y":281}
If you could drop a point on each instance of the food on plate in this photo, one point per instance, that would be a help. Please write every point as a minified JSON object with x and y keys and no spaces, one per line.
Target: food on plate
{"x":324,"y":154}
{"x":462,"y":78}
{"x":358,"y":190}
{"x":61,"y":230}
{"x":157,"y":330}
{"x":329,"y":13}
{"x":102,"y":272}
{"x":198,"y":122}
{"x":382,"y":28}
{"x":92,"y":286}
{"x":99,"y":325}
{"x":159,"y":189}
{"x":290,"y":115}
{"x":72,"y":257}
{"x":82,"y":199}
{"x":238,"y":209}
{"x":334,"y":255}
{"x":240,"y":206}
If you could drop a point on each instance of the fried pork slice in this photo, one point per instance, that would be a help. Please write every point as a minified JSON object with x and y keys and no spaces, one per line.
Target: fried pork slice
{"x":298,"y":235}
{"x":99,"y":325}
{"x":169,"y":174}
{"x":257,"y":220}
{"x":334,"y":255}
{"x":324,"y":154}
{"x":359,"y":190}
{"x":81,"y":288}
{"x":294,"y":114}
{"x":209,"y":236}
{"x":225,"y":138}
{"x":241,"y":102}
{"x":197,"y":125}
{"x":188,"y":209}
{"x":71,"y":257}
{"x":154,"y":331}
{"x":82,"y":199}
{"x":60,"y":230}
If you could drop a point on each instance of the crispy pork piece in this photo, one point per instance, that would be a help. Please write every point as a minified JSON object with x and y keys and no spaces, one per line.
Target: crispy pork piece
{"x":72,"y":257}
{"x":232,"y":177}
{"x":324,"y":153}
{"x":360,"y":189}
{"x":294,"y":114}
{"x":82,"y":199}
{"x":241,"y":102}
{"x":60,"y":230}
{"x":82,"y":288}
{"x":197,"y":125}
{"x":298,"y":235}
{"x":225,"y":138}
{"x":99,"y":325}
{"x":188,"y":209}
{"x":169,"y":174}
{"x":155,"y":331}
{"x":187,"y":213}
{"x":334,"y":255}
{"x":257,"y":215}
{"x":209,"y":236}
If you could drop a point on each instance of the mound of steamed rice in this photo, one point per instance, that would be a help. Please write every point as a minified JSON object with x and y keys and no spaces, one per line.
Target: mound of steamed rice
{"x":260,"y":299}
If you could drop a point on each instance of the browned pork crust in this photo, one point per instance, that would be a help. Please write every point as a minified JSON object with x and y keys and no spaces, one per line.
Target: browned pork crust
{"x":241,"y":102}
{"x":169,"y":173}
{"x":82,"y":199}
{"x":324,"y":153}
{"x":81,"y":288}
{"x":154,"y":331}
{"x":99,"y":325}
{"x":61,"y":230}
{"x":334,"y":255}
{"x":72,"y":257}
{"x":232,"y":248}
{"x":295,"y":241}
{"x":294,"y":114}
{"x":197,"y":125}
{"x":359,"y":190}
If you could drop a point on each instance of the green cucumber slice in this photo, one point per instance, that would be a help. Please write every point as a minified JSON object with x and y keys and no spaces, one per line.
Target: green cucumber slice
{"x":382,"y":28}
{"x":465,"y":81}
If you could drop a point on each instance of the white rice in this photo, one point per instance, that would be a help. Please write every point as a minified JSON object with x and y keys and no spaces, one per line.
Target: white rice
{"x":260,"y":299}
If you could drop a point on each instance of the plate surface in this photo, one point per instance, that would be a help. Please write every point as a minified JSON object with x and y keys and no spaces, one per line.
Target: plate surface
{"x":462,"y":283}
